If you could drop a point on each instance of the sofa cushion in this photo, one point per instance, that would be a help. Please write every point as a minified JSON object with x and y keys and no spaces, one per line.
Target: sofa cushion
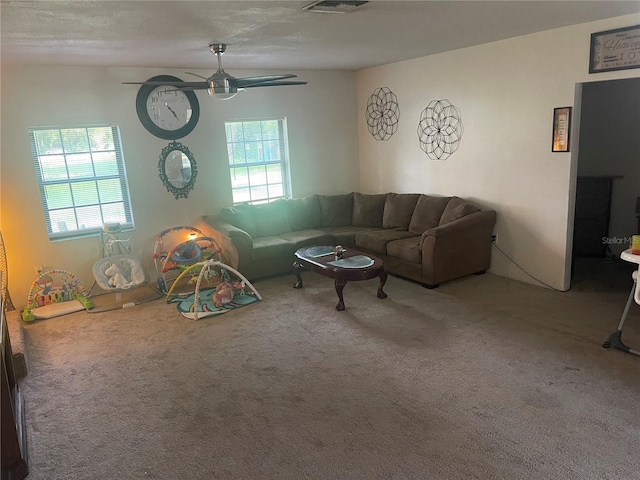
{"x":377,"y":241}
{"x":407,"y":249}
{"x":240,"y":216}
{"x":346,"y":236}
{"x":271,"y":247}
{"x":368,"y":210}
{"x":270,"y":218}
{"x":427,"y":213}
{"x":337,"y":210}
{"x":398,"y":209}
{"x":303,"y":238}
{"x":457,"y":208}
{"x":304,"y":213}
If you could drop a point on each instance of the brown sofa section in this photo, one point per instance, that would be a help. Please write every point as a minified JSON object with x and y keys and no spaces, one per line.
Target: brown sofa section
{"x":426,"y":238}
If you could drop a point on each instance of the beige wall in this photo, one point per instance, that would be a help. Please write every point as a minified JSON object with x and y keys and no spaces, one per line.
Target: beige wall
{"x":506,"y":92}
{"x":322,"y":129}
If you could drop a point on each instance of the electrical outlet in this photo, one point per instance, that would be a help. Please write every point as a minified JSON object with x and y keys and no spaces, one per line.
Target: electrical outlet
{"x":494,"y":238}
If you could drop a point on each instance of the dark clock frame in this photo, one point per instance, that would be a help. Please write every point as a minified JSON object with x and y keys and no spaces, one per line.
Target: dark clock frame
{"x":143,"y":115}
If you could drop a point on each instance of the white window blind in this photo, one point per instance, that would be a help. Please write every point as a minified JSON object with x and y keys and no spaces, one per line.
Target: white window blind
{"x":258,"y":159}
{"x":82,"y":179}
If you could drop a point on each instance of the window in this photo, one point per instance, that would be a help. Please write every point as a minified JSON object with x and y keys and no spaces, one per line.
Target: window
{"x":258,"y":160}
{"x":82,"y":179}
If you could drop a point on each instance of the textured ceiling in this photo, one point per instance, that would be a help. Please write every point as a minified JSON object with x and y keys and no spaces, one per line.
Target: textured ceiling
{"x":271,"y":34}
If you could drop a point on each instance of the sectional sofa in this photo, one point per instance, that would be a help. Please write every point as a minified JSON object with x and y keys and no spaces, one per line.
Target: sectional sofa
{"x":428,"y":239}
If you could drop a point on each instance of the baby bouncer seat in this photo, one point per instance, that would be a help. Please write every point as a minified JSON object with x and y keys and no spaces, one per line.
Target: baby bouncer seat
{"x":116,"y":270}
{"x":178,"y":248}
{"x":118,"y":273}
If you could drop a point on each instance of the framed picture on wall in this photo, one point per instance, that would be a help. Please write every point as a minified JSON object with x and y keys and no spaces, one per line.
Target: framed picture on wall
{"x":617,"y":49}
{"x":561,"y":129}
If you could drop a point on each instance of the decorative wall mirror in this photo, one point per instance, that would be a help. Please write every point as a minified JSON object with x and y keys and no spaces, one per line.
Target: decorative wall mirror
{"x":177,"y":169}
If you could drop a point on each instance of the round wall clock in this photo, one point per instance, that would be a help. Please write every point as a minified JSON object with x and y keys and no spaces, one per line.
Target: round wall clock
{"x":166,"y":112}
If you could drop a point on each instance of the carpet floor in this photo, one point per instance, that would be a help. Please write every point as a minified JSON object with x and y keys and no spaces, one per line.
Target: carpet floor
{"x":482,"y":378}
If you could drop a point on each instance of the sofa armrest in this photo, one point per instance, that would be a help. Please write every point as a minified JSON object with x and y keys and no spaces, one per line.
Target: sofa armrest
{"x":478,"y":220}
{"x":240,"y":238}
{"x":457,"y":248}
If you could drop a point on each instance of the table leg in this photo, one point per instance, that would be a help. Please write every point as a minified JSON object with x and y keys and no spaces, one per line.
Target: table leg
{"x":297,"y":268}
{"x":383,"y":280}
{"x":340,"y":284}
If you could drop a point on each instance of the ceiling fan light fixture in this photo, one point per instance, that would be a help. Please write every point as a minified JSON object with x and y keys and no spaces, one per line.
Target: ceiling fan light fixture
{"x":221,"y":86}
{"x":221,"y":95}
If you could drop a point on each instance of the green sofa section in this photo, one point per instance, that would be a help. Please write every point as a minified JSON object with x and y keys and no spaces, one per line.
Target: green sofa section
{"x":425,"y":238}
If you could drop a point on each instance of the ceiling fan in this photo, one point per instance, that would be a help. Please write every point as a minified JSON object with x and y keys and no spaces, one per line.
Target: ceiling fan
{"x":221,"y":84}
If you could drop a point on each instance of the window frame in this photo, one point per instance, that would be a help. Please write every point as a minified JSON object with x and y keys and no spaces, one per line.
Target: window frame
{"x":120,"y":176}
{"x":284,"y":161}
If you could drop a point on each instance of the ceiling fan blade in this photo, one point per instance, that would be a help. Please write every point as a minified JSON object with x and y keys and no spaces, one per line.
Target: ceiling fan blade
{"x":187,"y":89}
{"x":195,"y":75}
{"x":172,"y":84}
{"x":274,"y":84}
{"x":243,"y":82}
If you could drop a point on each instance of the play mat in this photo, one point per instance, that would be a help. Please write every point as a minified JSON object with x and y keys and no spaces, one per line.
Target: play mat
{"x":226,"y":289}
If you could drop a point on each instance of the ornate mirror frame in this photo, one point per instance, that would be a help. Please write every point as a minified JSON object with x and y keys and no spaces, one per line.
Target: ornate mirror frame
{"x":178,"y":191}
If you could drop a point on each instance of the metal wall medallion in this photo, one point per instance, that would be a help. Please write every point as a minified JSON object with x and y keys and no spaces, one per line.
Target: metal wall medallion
{"x":440,"y":129}
{"x":177,"y":169}
{"x":383,"y":114}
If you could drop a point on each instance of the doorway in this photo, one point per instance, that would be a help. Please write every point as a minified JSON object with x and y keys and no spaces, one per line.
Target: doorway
{"x":608,"y":185}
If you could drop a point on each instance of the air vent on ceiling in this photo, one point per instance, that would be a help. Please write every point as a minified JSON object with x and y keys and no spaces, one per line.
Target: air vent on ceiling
{"x":333,"y":6}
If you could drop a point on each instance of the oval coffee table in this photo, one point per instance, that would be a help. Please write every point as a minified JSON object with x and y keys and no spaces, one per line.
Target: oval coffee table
{"x":353,"y":266}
